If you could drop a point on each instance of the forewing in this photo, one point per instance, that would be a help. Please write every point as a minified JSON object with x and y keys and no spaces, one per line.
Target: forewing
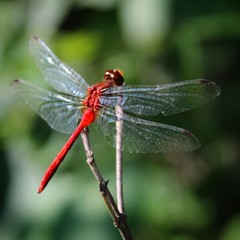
{"x":166,"y":99}
{"x":63,"y":78}
{"x":143,"y":136}
{"x":61,"y":112}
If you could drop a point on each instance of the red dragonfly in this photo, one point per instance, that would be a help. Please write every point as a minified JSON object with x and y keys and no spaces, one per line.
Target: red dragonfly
{"x":76,"y":105}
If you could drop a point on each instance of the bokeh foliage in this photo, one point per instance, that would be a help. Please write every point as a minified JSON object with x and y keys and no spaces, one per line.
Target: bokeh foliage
{"x":168,"y":196}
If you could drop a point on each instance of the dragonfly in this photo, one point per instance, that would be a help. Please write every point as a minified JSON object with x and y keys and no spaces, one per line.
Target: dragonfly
{"x":75,"y":105}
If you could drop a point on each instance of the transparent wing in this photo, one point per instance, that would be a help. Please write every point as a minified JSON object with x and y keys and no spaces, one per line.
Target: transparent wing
{"x":61,"y":112}
{"x":166,"y":99}
{"x":143,"y":136}
{"x":63,"y":78}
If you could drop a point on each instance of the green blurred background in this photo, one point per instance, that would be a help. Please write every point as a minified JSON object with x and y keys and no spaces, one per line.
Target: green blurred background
{"x":167,"y":196}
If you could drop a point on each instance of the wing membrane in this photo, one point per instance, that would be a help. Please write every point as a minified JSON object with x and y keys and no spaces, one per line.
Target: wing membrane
{"x":143,"y":136}
{"x":166,"y":99}
{"x":63,"y":78}
{"x":61,"y":112}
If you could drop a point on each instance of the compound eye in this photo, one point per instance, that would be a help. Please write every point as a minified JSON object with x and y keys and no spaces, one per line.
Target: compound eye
{"x":109,"y":75}
{"x":118,"y":77}
{"x":115,"y":75}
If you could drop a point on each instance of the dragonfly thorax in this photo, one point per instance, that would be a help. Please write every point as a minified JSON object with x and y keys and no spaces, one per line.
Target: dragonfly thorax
{"x":111,"y":78}
{"x":94,"y":93}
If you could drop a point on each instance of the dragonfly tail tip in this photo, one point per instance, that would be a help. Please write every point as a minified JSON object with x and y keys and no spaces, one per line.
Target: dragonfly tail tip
{"x":40,"y":189}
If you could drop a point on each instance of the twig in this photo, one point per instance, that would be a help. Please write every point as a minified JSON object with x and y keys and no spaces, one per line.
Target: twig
{"x":119,"y":179}
{"x":119,"y":220}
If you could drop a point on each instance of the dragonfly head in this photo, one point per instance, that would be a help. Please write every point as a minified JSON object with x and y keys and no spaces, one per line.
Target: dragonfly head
{"x":116,"y":76}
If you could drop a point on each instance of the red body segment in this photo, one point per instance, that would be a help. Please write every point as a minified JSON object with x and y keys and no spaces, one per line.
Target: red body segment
{"x":87,"y":119}
{"x":92,"y":105}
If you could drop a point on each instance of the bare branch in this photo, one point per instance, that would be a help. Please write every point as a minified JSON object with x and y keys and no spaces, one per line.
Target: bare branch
{"x":119,"y":220}
{"x":119,"y":179}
